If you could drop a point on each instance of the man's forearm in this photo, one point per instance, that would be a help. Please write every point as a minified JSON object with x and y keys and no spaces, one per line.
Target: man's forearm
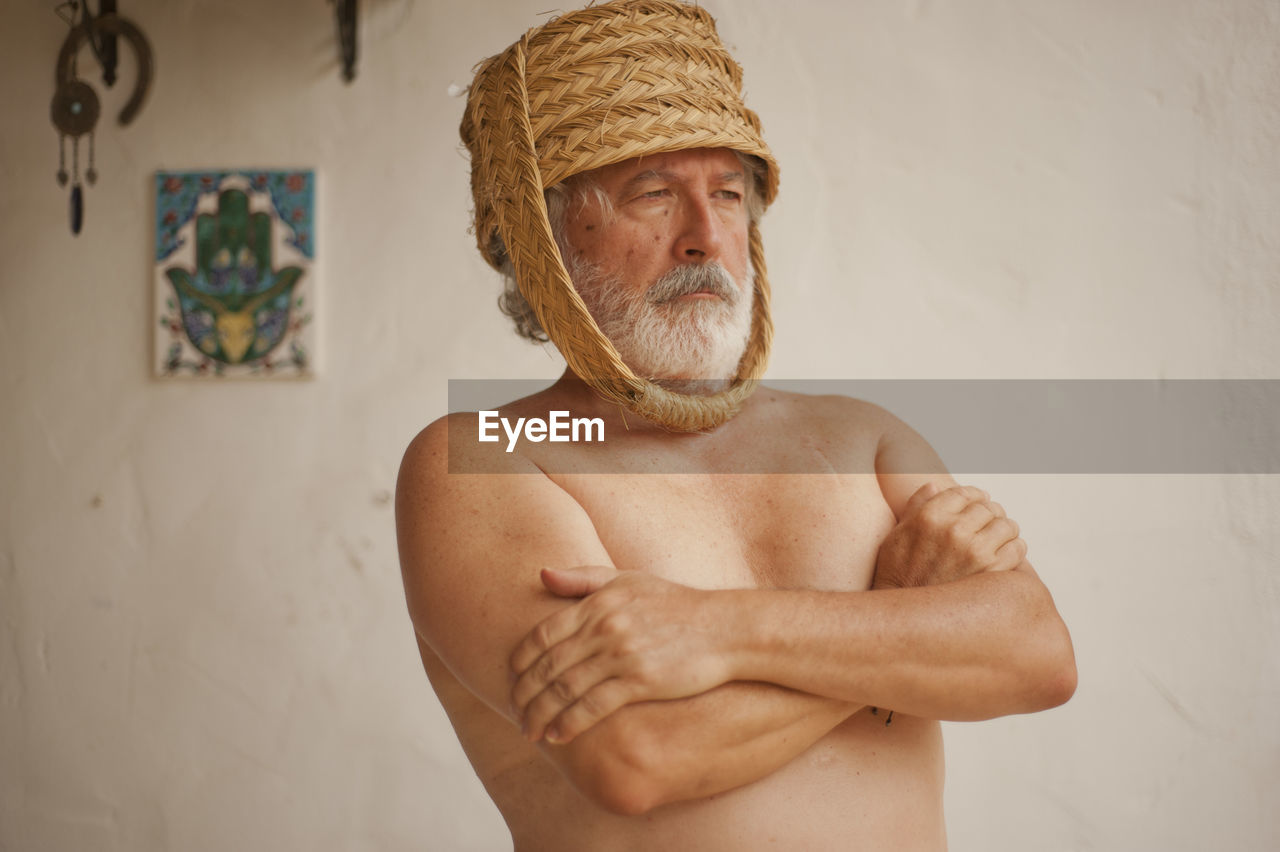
{"x":988,"y":645}
{"x":657,"y":752}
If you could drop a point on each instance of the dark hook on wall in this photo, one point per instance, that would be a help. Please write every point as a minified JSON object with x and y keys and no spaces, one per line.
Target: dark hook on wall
{"x":96,"y":30}
{"x":106,"y":51}
{"x":103,"y":43}
{"x":346,"y":14}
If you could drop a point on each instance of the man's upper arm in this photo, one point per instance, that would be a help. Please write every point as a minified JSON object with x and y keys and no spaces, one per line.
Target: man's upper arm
{"x":471,"y":546}
{"x":904,"y":461}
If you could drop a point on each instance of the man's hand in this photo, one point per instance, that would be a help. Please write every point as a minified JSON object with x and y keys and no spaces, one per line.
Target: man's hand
{"x":946,"y":535}
{"x":634,"y":637}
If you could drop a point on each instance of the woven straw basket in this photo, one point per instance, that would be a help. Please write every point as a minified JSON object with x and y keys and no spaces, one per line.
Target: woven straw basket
{"x":588,"y":89}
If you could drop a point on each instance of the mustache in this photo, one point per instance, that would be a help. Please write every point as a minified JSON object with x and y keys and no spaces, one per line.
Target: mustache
{"x":694,"y":278}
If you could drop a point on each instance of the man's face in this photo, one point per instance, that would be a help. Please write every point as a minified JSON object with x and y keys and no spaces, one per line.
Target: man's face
{"x":666,"y":274}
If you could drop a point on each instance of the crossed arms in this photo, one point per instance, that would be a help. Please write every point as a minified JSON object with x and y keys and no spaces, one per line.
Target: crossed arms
{"x":645,"y":692}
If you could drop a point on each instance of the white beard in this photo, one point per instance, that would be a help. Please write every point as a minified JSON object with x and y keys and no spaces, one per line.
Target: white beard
{"x":689,"y":345}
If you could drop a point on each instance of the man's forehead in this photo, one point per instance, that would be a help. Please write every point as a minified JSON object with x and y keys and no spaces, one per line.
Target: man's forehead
{"x":722,"y":162}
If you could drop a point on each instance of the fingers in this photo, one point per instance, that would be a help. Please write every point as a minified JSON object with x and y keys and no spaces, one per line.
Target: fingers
{"x":546,"y":666}
{"x":640,"y":638}
{"x":585,"y":678}
{"x":597,"y":703}
{"x":575,"y":701}
{"x":956,"y":514}
{"x":536,"y":645}
{"x":970,"y":519}
{"x":560,"y":676}
{"x":578,"y":581}
{"x":952,"y":501}
{"x":575,"y":582}
{"x":921,"y":496}
{"x":1000,"y":544}
{"x":953,"y":533}
{"x":1010,"y":555}
{"x":537,"y":701}
{"x":1002,"y":529}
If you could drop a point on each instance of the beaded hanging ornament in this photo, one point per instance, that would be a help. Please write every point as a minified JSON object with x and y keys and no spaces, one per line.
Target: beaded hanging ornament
{"x":588,"y":89}
{"x":75,"y":108}
{"x":74,"y":112}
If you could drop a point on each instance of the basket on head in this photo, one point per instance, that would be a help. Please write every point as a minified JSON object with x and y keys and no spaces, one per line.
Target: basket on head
{"x":588,"y":89}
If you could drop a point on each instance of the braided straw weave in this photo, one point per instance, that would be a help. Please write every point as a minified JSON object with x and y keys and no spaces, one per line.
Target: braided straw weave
{"x":585,"y":90}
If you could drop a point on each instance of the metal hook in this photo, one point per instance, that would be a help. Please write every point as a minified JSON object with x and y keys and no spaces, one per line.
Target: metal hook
{"x":346,"y":14}
{"x":94,"y":29}
{"x":103,"y":43}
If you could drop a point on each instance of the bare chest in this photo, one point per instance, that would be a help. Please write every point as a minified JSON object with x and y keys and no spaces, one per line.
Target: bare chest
{"x":740,"y":530}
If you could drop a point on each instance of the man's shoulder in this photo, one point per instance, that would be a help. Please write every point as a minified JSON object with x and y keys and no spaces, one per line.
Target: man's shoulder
{"x":449,"y":445}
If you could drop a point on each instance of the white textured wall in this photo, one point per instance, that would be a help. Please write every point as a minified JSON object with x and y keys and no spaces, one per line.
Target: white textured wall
{"x":203,"y":643}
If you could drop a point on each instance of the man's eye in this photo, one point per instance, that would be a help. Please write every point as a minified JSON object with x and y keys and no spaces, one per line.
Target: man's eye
{"x":653,"y":193}
{"x":729,"y":195}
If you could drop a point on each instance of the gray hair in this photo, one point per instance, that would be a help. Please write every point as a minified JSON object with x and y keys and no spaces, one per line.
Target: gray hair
{"x":575,"y":191}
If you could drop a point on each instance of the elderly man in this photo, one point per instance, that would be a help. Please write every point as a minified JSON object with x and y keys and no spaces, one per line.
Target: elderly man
{"x":679,"y":637}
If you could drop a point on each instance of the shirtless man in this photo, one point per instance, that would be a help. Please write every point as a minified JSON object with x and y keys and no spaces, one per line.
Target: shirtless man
{"x":720,"y":659}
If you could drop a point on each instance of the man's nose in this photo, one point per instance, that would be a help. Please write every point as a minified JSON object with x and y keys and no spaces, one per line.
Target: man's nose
{"x":700,"y":236}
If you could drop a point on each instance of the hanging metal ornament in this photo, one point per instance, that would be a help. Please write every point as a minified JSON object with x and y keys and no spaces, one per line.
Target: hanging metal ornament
{"x":75,"y":108}
{"x":75,"y":113}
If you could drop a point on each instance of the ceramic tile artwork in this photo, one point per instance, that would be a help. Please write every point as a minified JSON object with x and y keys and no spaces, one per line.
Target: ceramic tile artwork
{"x":234,"y":274}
